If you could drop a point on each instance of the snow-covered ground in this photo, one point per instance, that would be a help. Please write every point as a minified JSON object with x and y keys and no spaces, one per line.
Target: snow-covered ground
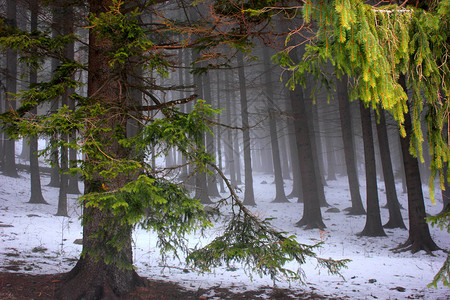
{"x":35,"y":241}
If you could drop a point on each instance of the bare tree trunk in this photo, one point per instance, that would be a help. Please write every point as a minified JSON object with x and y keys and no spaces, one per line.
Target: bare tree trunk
{"x":349,"y":150}
{"x":229,"y":142}
{"x":373,"y":225}
{"x":419,"y":232}
{"x":312,"y":216}
{"x":210,"y":146}
{"x":279,"y":184}
{"x":9,"y":163}
{"x":329,"y":141}
{"x":36,"y":191}
{"x":395,"y":216}
{"x":249,"y":197}
{"x":315,"y":150}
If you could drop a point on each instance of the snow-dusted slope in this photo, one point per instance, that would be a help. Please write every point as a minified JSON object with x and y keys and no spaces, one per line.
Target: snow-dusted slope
{"x":33,"y":240}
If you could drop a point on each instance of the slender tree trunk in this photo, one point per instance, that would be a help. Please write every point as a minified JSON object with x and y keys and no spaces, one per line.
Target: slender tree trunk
{"x":54,"y":155}
{"x":373,"y":225}
{"x":249,"y":197}
{"x":329,"y":142}
{"x":279,"y":184}
{"x":229,"y":142}
{"x":36,"y":192}
{"x":419,"y":232}
{"x":219,"y":134}
{"x":312,"y":216}
{"x":210,"y":146}
{"x":64,"y":179}
{"x":9,"y":165}
{"x":315,"y":150}
{"x":349,"y":150}
{"x":201,"y":189}
{"x":395,"y":216}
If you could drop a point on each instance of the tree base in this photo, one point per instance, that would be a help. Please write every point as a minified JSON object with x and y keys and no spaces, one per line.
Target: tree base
{"x":280,"y":199}
{"x":308,"y":224}
{"x":37,"y":200}
{"x":394,"y":224}
{"x":355,"y":211}
{"x":90,"y":280}
{"x":415,"y":245}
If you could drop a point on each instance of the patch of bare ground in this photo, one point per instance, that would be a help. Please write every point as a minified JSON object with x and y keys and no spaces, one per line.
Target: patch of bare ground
{"x":19,"y":286}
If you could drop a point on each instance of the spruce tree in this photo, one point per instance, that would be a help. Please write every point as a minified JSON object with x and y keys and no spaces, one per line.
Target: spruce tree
{"x":122,"y":186}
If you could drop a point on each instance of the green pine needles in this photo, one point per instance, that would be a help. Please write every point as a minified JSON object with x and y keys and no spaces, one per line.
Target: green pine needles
{"x":123,"y":190}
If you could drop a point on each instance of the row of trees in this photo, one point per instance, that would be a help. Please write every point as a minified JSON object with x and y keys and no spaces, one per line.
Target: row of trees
{"x":114,"y":97}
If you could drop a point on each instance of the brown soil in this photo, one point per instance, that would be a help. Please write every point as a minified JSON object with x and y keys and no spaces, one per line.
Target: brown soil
{"x":20,"y":286}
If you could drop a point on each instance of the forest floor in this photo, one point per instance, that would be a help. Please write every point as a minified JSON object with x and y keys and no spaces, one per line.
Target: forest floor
{"x":19,"y":286}
{"x":37,"y":247}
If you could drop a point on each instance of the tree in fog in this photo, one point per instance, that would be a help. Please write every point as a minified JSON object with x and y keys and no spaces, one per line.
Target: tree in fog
{"x":123,"y":187}
{"x":36,"y":191}
{"x":280,"y":195}
{"x":373,"y":225}
{"x":418,"y":49}
{"x":349,"y":148}
{"x":395,"y":215}
{"x":249,"y":196}
{"x":9,"y":149}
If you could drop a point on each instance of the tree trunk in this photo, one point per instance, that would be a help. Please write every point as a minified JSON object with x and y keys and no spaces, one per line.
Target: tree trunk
{"x":349,"y":150}
{"x":210,"y":146}
{"x":419,"y":232}
{"x":279,"y":184}
{"x":219,"y":134}
{"x":329,"y":142}
{"x":9,"y":165}
{"x":249,"y":197}
{"x":92,"y":277}
{"x":55,"y":172}
{"x":395,"y":216}
{"x":316,"y":152}
{"x":373,"y":225}
{"x":312,"y":216}
{"x":229,"y":142}
{"x":201,"y":186}
{"x":36,"y":191}
{"x":64,"y":181}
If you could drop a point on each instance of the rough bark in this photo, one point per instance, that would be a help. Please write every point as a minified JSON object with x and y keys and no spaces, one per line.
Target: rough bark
{"x":249,"y":197}
{"x":395,"y":216}
{"x":92,"y":278}
{"x":419,"y":232}
{"x":349,"y":150}
{"x":373,"y":225}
